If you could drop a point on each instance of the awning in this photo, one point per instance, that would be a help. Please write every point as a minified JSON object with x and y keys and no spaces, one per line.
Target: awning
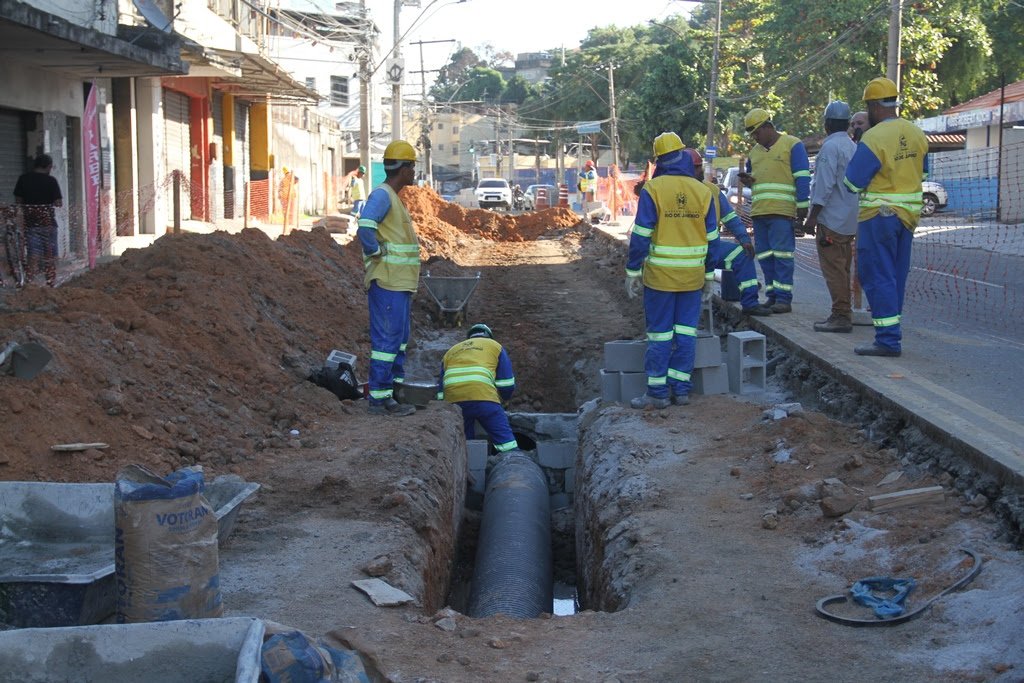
{"x":248,"y":75}
{"x":46,"y":41}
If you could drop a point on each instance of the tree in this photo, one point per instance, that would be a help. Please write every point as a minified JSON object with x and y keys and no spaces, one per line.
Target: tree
{"x":483,"y":83}
{"x":517,"y":90}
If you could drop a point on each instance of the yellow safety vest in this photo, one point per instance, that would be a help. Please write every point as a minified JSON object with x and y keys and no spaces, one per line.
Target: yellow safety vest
{"x":588,"y":181}
{"x":896,"y":188}
{"x":774,"y":192}
{"x":398,"y":267}
{"x":679,"y":242}
{"x":357,"y":190}
{"x":469,"y":369}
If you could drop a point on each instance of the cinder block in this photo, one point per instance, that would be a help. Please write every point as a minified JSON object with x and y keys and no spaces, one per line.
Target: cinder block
{"x":624,"y":355}
{"x":633,"y":384}
{"x":747,"y":361}
{"x":557,"y":455}
{"x":478,"y":480}
{"x":559,"y":500}
{"x":477,"y":453}
{"x":709,"y":352}
{"x":610,"y":383}
{"x":570,"y":480}
{"x":706,"y":323}
{"x":709,"y":381}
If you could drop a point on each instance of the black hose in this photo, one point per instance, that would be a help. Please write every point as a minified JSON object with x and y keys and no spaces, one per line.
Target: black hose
{"x":512,"y":575}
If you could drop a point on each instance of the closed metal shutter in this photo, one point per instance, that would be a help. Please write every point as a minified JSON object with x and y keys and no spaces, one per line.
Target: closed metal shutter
{"x":241,"y":158}
{"x":177,"y":153}
{"x":12,"y":152}
{"x":217,"y":196}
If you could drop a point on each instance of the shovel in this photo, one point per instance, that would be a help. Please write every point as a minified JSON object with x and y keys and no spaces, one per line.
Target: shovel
{"x":24,"y":361}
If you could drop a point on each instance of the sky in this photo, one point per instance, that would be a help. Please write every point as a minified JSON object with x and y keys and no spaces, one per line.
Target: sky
{"x":517,"y":26}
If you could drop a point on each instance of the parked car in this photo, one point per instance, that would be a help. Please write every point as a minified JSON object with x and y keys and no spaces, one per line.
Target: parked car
{"x":494,"y":193}
{"x":933,"y":197}
{"x":531,"y":193}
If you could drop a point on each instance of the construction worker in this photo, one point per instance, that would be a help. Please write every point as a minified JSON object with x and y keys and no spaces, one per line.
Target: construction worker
{"x":886,"y":169}
{"x":833,"y":216}
{"x":858,"y":125}
{"x":391,"y":253}
{"x":357,"y":190}
{"x":778,"y":173}
{"x":739,"y":258}
{"x":674,"y":229}
{"x":588,"y":183}
{"x":476,"y":375}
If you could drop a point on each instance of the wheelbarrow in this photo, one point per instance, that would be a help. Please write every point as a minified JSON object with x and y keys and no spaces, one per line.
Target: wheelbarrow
{"x":451,"y":295}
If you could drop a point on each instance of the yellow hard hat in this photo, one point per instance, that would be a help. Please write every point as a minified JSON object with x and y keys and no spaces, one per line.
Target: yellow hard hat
{"x":755,"y":118}
{"x":880,"y":88}
{"x":665,"y":143}
{"x":400,"y":150}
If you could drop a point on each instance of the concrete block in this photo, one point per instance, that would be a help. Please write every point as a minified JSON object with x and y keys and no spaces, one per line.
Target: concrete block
{"x":556,"y":455}
{"x":747,"y":361}
{"x":559,"y":500}
{"x":624,"y":355}
{"x":610,"y":383}
{"x":477,"y":454}
{"x":710,"y":381}
{"x":478,"y":480}
{"x":633,"y":384}
{"x":708,"y":353}
{"x":706,"y":322}
{"x":570,"y":480}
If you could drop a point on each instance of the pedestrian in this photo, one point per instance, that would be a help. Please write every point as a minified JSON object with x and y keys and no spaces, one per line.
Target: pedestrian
{"x":39,"y":195}
{"x":779,"y":175}
{"x":858,"y":124}
{"x":357,"y":190}
{"x":587,"y":184}
{"x":391,"y":253}
{"x":476,"y":375}
{"x":668,"y":248}
{"x":833,"y":216}
{"x":886,"y":170}
{"x":727,"y":255}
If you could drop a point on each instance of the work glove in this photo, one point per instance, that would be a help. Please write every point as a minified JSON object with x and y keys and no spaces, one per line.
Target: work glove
{"x":749,"y":248}
{"x":634,"y":286}
{"x":707,"y":291}
{"x":381,"y":250}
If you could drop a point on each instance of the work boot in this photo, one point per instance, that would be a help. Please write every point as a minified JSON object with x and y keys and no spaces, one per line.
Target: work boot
{"x":759,"y":309}
{"x":681,"y":400}
{"x":781,"y":307}
{"x":648,"y":401}
{"x":390,"y":407}
{"x":835,"y":323}
{"x":876,"y":350}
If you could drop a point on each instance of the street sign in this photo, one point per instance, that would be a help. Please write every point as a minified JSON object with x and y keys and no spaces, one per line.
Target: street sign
{"x":395,"y":70}
{"x":710,"y":152}
{"x":584,"y":127}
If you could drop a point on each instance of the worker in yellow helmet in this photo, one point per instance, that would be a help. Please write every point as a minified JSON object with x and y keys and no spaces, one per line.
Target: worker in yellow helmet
{"x":668,"y":246}
{"x":778,"y":173}
{"x":886,"y":169}
{"x":391,"y":253}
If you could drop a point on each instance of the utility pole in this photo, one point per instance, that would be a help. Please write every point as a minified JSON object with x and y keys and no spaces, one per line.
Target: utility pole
{"x":364,"y":96}
{"x":396,"y":86}
{"x":710,"y":142}
{"x":892,"y":70}
{"x":425,"y":129}
{"x":511,"y":150}
{"x":615,"y":122}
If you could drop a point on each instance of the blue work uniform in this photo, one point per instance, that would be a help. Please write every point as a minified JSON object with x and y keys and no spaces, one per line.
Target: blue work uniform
{"x":674,"y":229}
{"x":887,"y":169}
{"x":476,"y":375}
{"x":727,"y":255}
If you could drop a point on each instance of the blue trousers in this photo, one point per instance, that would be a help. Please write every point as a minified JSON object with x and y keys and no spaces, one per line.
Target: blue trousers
{"x":729,"y":255}
{"x":883,"y":262}
{"x":494,"y":420}
{"x":671,"y":340}
{"x":357,"y":206}
{"x":775,"y":243}
{"x":389,"y":333}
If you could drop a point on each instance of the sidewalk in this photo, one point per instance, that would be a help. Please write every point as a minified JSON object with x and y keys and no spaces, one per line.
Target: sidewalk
{"x":919,"y":385}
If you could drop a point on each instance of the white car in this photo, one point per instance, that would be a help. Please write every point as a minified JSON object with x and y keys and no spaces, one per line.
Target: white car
{"x":933,"y":197}
{"x":494,"y":193}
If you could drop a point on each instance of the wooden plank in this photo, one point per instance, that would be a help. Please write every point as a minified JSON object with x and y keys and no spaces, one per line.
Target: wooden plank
{"x":65,"y":447}
{"x":888,"y":501}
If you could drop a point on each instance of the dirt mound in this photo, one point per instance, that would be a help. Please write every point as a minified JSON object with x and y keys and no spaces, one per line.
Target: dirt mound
{"x":444,"y":223}
{"x":192,"y":350}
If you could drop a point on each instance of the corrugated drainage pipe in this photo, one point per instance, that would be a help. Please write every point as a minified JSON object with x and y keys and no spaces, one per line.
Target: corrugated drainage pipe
{"x":512,"y":575}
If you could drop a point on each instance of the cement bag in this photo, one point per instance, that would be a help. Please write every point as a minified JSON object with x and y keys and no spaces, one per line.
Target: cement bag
{"x":290,"y":656}
{"x":165,"y":547}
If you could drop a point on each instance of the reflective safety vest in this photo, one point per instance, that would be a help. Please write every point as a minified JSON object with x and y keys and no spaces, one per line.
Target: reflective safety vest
{"x":588,"y":181}
{"x":398,"y":266}
{"x":679,"y":242}
{"x":774,"y":192}
{"x":900,"y":147}
{"x":469,"y":371}
{"x":357,"y":189}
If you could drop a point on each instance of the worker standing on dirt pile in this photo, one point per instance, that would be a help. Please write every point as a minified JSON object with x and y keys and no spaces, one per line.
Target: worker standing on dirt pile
{"x":357,"y":191}
{"x":668,"y":246}
{"x":391,"y":253}
{"x":476,"y":375}
{"x":833,"y":216}
{"x":886,"y":169}
{"x":778,"y":173}
{"x":739,"y":258}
